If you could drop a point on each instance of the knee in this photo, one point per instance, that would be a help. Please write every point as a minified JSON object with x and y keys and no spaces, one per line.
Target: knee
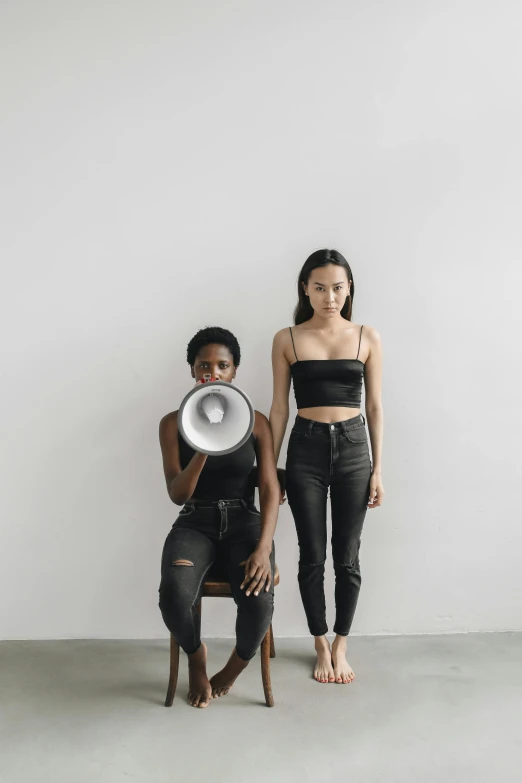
{"x":259,"y":604}
{"x":258,"y":610}
{"x":309,"y":566}
{"x":352,"y":567}
{"x":176,"y":590}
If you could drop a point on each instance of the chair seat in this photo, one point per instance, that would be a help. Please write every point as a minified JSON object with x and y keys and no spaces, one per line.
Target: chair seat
{"x":217,"y":585}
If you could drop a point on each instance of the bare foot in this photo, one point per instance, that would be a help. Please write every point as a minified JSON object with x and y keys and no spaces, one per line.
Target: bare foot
{"x":323,"y":670}
{"x":199,"y":685}
{"x":222,"y":682}
{"x":343,"y":671}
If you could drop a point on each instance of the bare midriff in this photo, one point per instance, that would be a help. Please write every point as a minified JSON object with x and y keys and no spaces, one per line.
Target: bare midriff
{"x":328,"y":414}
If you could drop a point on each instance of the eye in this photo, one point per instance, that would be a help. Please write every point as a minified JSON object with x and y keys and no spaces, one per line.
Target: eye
{"x":338,"y":287}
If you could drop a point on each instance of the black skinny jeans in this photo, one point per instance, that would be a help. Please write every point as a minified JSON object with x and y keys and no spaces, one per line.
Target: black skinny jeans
{"x":335,"y":456}
{"x":215,"y":537}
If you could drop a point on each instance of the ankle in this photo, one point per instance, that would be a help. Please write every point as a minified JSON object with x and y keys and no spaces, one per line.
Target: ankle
{"x":340,"y":643}
{"x":236,"y":661}
{"x":198,"y":656}
{"x":321,"y":643}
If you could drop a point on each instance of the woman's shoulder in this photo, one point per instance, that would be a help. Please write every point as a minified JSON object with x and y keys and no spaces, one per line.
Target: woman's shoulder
{"x":283,"y":337}
{"x":169,"y":422}
{"x":370,"y":333}
{"x":260,"y":417}
{"x":261,"y":423}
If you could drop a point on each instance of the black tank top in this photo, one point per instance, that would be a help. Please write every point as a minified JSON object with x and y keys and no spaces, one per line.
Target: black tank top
{"x":225,"y":477}
{"x":329,"y":382}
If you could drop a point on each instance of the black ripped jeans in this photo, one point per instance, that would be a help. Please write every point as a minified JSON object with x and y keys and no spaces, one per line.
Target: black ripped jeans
{"x":215,"y":537}
{"x":335,"y":456}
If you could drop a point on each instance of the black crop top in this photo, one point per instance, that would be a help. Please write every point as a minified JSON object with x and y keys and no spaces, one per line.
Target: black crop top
{"x":329,"y":382}
{"x":225,"y":477}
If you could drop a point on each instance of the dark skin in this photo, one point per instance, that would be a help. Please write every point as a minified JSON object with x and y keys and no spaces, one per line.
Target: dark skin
{"x":216,"y":361}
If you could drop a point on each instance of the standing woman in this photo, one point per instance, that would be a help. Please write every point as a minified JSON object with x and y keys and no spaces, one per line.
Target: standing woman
{"x":327,"y":356}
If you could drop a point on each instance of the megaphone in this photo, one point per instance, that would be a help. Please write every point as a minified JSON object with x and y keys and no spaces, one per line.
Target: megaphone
{"x":216,"y":418}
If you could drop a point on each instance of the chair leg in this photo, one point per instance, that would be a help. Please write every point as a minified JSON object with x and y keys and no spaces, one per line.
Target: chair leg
{"x":174,"y":668}
{"x":265,"y":670}
{"x":272,"y":645}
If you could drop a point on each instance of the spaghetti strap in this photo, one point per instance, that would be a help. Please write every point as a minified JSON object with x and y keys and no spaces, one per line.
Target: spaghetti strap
{"x":360,"y":335}
{"x":292,"y":336}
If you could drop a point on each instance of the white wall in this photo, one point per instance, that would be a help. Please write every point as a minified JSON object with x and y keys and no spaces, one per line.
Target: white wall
{"x":169,"y":165}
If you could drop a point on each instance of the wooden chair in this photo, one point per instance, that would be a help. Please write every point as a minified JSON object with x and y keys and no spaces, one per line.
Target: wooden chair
{"x":220,"y":588}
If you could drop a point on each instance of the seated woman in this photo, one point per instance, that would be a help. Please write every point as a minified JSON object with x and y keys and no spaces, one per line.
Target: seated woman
{"x":218,"y":521}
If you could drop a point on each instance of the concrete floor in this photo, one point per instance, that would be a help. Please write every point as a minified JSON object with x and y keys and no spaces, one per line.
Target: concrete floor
{"x":423,"y":708}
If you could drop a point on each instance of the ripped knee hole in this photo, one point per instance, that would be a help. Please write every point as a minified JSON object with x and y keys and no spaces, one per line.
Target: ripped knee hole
{"x":182,"y":563}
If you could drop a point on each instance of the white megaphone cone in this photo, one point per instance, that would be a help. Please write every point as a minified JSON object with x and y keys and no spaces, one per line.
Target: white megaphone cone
{"x":216,"y":418}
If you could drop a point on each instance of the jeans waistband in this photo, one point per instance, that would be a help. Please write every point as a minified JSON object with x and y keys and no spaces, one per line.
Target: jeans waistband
{"x":224,"y":503}
{"x":309,"y":425}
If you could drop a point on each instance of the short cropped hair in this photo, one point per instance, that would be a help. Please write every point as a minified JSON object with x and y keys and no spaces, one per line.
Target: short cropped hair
{"x":210,"y":335}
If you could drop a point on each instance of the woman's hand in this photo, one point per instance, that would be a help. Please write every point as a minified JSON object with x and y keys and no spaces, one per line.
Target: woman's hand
{"x":281,"y":477}
{"x":206,"y":379}
{"x":376,"y":491}
{"x":258,"y":573}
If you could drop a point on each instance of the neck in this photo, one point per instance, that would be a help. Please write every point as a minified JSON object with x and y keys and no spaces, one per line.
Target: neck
{"x":332,"y":323}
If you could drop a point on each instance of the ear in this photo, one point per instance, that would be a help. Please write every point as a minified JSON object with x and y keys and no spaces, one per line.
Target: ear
{"x":193,"y":374}
{"x":304,"y":289}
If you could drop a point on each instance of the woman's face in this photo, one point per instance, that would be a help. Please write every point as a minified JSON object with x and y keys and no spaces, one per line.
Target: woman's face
{"x":214,"y":361}
{"x":327,"y":288}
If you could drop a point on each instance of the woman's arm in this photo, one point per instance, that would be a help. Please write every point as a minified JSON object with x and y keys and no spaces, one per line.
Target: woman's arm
{"x":374,"y":412}
{"x":180,"y":483}
{"x":281,"y":372}
{"x":257,"y":567}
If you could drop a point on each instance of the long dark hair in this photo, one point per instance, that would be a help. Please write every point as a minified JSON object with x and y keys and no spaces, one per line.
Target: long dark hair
{"x":304,"y":310}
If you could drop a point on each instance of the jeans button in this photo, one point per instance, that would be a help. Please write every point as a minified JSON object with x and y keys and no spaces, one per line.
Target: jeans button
{"x":332,"y":427}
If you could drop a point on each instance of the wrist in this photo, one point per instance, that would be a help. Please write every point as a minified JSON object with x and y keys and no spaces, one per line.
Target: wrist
{"x":376,"y":470}
{"x":264,"y":547}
